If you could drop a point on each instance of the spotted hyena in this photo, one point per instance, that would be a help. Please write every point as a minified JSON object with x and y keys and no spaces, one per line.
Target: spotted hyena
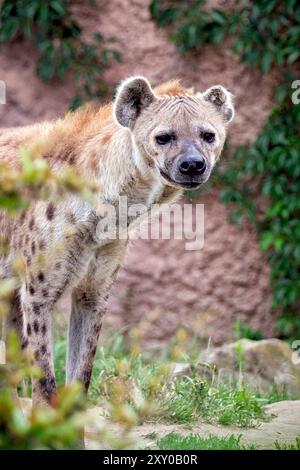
{"x":149,"y":145}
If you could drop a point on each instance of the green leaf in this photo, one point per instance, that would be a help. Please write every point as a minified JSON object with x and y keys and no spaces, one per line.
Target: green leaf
{"x":266,"y":61}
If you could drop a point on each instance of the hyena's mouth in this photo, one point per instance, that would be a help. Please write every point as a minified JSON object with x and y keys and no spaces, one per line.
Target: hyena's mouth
{"x":192,"y":184}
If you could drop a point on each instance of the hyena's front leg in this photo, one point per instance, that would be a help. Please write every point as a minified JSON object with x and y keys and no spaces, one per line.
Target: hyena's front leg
{"x":14,"y":320}
{"x":38,"y":313}
{"x":39,"y":296}
{"x":89,"y":301}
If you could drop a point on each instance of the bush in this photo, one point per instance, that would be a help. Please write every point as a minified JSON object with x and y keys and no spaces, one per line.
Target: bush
{"x":263,"y":34}
{"x":56,"y":427}
{"x":56,"y":35}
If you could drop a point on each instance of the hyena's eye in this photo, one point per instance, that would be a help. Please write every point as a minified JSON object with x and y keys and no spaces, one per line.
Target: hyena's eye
{"x":208,"y":137}
{"x":164,"y":139}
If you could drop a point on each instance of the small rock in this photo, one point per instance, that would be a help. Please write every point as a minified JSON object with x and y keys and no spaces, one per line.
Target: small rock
{"x":181,"y":369}
{"x":262,"y":364}
{"x":185,"y":369}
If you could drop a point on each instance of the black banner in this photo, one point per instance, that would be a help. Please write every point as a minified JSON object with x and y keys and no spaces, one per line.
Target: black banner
{"x":136,"y":459}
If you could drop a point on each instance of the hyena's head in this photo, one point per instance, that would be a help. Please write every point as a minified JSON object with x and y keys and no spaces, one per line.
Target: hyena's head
{"x":180,"y":134}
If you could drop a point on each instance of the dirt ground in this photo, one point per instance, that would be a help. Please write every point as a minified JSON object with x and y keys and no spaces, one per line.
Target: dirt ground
{"x":283,"y":426}
{"x":229,"y":275}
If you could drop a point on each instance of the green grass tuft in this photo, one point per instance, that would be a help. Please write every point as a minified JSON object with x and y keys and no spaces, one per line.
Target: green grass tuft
{"x":194,"y":398}
{"x":175,"y":441}
{"x":284,"y":446}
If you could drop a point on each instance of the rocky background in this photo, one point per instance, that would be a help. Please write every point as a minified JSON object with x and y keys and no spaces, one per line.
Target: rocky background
{"x":204,"y":290}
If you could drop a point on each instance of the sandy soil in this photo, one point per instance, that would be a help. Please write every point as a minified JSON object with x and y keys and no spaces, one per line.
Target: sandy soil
{"x":229,"y":276}
{"x":283,"y":426}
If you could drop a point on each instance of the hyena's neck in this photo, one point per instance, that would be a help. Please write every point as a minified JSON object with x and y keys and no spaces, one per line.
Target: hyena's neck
{"x":121,"y":167}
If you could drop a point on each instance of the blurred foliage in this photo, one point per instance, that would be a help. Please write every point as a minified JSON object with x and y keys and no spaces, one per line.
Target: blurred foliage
{"x":266,"y":172}
{"x":34,"y":179}
{"x":57,"y":36}
{"x":263,"y":32}
{"x":55,"y":427}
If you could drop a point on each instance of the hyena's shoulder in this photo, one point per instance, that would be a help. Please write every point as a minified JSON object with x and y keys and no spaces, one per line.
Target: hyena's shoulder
{"x":72,"y":140}
{"x":12,"y":140}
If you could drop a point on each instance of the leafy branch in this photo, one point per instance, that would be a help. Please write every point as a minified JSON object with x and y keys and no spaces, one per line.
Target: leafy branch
{"x":57,"y":36}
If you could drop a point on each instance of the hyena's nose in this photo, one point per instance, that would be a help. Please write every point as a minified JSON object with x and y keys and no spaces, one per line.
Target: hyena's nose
{"x":192,"y":166}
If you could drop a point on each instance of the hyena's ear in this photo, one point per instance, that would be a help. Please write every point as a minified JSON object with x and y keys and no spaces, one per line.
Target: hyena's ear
{"x":222,"y":100}
{"x":134,"y":95}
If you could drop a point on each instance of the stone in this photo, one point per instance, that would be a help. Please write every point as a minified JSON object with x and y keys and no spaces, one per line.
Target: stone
{"x":181,"y":369}
{"x":261,"y":364}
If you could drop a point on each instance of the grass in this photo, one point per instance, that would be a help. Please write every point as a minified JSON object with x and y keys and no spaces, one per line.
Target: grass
{"x":194,"y":398}
{"x":175,"y":441}
{"x":284,"y":446}
{"x":145,"y":384}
